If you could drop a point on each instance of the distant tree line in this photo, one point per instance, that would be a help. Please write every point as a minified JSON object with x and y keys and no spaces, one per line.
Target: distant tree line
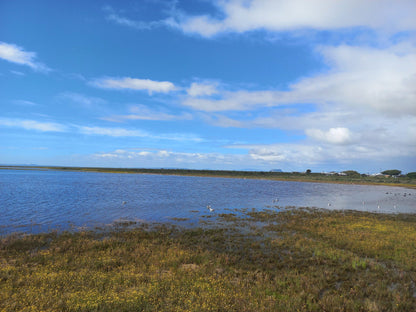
{"x":307,"y":175}
{"x":392,"y":172}
{"x":352,"y":173}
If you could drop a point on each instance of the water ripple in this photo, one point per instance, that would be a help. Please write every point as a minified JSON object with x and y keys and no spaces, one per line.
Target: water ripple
{"x":42,"y":200}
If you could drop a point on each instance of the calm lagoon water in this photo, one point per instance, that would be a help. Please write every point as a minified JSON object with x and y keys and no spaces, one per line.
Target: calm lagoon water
{"x":34,"y":201}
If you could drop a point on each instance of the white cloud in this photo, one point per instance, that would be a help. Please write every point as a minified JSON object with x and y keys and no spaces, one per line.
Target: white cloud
{"x":114,"y":132}
{"x":17,"y":73}
{"x":307,"y":153}
{"x":361,"y":109}
{"x":17,"y":55}
{"x":142,"y":112}
{"x":370,"y":139}
{"x":116,"y":18}
{"x":281,"y":155}
{"x":382,"y":80}
{"x":134,"y":84}
{"x":32,"y":125}
{"x":202,"y":25}
{"x":85,"y":101}
{"x":236,"y":101}
{"x":126,"y":22}
{"x":291,"y":153}
{"x":379,"y":80}
{"x":122,"y":132}
{"x":333,"y":135}
{"x":166,"y":158}
{"x":28,"y":124}
{"x":139,"y":25}
{"x":24,"y":103}
{"x":280,"y":15}
{"x":202,"y":89}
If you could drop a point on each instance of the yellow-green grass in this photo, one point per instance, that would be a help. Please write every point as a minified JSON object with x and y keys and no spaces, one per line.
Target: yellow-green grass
{"x":295,"y":260}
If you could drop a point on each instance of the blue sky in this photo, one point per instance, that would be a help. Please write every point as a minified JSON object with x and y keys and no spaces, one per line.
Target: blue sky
{"x":232,"y":84}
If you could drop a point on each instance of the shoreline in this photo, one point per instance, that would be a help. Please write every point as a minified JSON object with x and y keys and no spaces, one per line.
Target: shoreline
{"x":258,"y":175}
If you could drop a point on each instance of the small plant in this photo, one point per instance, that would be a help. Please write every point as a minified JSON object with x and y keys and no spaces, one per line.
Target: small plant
{"x":295,"y":260}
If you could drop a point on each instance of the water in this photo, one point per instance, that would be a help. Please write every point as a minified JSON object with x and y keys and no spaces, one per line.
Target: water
{"x":34,"y":201}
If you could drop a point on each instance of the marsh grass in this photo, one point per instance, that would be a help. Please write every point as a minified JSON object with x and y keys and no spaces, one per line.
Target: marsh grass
{"x":294,"y":260}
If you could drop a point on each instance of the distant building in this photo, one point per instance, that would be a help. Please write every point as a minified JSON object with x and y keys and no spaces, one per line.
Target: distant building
{"x":377,"y":175}
{"x":329,"y":173}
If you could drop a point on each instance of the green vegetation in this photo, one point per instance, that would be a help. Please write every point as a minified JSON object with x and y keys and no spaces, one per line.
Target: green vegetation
{"x":393,"y":172}
{"x":349,"y":176}
{"x":295,"y":260}
{"x":411,"y":175}
{"x":352,"y":173}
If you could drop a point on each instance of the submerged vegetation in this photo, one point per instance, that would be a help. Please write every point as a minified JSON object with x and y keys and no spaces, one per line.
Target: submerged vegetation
{"x":349,"y":176}
{"x":293,"y":260}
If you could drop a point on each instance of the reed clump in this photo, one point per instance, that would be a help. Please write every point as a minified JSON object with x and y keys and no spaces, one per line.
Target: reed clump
{"x":292,"y":260}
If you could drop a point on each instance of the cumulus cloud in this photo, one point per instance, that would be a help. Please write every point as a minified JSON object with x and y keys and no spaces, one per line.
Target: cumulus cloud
{"x":202,"y":89}
{"x":17,"y":55}
{"x":369,"y":139}
{"x":300,"y":154}
{"x":361,"y":108}
{"x":28,"y":124}
{"x":134,"y":84}
{"x":382,"y":80}
{"x":283,"y":155}
{"x":333,"y":135}
{"x":379,"y":80}
{"x":166,"y":158}
{"x":280,"y":15}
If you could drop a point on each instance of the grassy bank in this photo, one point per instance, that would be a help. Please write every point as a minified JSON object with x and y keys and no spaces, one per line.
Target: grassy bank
{"x":296,"y":260}
{"x":403,"y":181}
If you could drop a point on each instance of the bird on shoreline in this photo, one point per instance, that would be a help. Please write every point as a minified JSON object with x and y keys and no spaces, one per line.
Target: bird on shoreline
{"x":210,"y":208}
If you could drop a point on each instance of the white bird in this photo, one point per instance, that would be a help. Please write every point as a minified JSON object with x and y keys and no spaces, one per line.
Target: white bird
{"x":209,"y":208}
